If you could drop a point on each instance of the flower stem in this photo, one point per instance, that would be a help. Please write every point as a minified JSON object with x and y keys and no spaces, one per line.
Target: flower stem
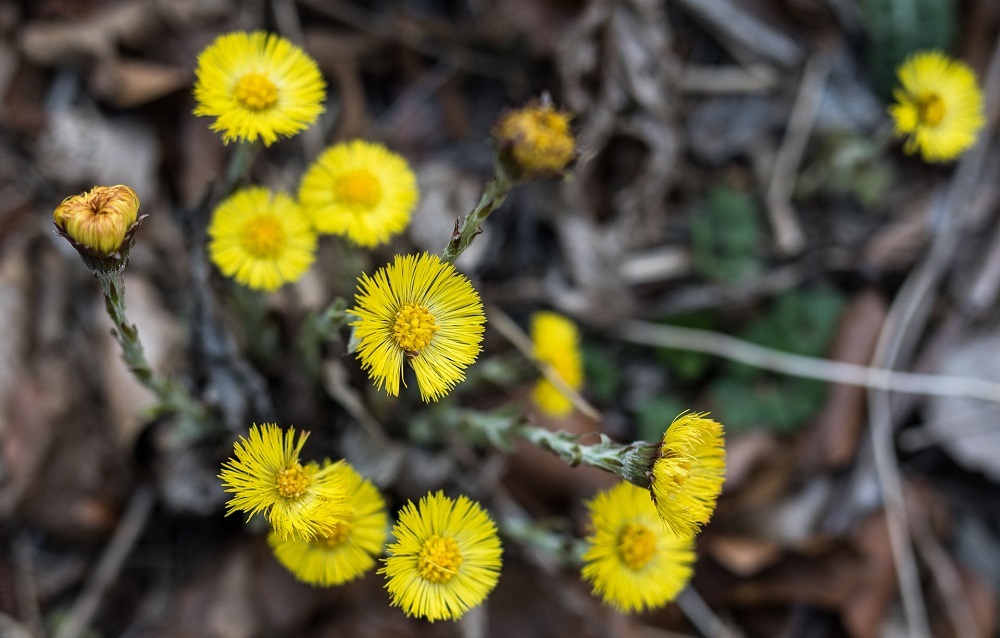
{"x":631,"y":461}
{"x":173,"y":398}
{"x":493,"y":196}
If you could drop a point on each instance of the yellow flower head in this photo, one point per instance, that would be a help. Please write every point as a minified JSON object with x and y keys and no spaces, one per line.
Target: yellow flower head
{"x":267,"y":477}
{"x":939,"y":107}
{"x":632,"y":562}
{"x":556,"y":342}
{"x":261,"y":239}
{"x":346,"y":551}
{"x":100,"y":220}
{"x":421,"y":310}
{"x":446,"y":558}
{"x":535,"y":141}
{"x":257,"y":85}
{"x":687,"y":477}
{"x":360,"y":190}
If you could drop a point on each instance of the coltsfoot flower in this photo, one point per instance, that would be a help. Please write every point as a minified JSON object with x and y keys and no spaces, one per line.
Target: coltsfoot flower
{"x":556,"y":341}
{"x":257,"y":85}
{"x":261,"y":239}
{"x":632,"y":561}
{"x":268,"y":478}
{"x":100,"y":224}
{"x":347,"y":550}
{"x":420,"y":310}
{"x":360,"y":190}
{"x":939,"y":107}
{"x":535,"y":141}
{"x":446,"y":558}
{"x":686,"y":478}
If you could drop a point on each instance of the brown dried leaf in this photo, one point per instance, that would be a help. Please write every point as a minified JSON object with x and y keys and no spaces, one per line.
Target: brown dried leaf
{"x":866,"y":607}
{"x":833,"y":439}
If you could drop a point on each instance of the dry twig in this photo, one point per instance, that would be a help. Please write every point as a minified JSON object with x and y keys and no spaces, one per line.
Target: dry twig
{"x":110,"y":564}
{"x":787,"y":229}
{"x":695,"y":340}
{"x":513,"y":333}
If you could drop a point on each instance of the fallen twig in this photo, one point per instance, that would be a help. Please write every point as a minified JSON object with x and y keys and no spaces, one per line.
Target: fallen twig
{"x":110,"y":564}
{"x":727,"y":347}
{"x":512,"y":332}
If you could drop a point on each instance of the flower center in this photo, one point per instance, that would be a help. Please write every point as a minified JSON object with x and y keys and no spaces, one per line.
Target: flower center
{"x":931,"y":109}
{"x":256,"y":92}
{"x":414,"y":328}
{"x":636,"y":545}
{"x":336,"y":536}
{"x":358,"y":188}
{"x":293,"y":481}
{"x":264,"y":237}
{"x":439,"y":559}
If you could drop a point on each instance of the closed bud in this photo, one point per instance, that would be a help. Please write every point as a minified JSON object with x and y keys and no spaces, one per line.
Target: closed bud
{"x":535,"y":141}
{"x":100,"y":224}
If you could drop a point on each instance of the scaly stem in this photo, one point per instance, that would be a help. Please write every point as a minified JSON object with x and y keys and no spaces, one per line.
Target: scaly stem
{"x":173,"y":398}
{"x":493,"y":196}
{"x":631,"y":461}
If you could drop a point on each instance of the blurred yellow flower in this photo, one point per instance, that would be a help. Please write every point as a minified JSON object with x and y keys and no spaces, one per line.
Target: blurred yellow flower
{"x":939,"y":107}
{"x":632,"y":561}
{"x":100,"y":219}
{"x":446,"y":558}
{"x":261,"y":239}
{"x":257,"y":85}
{"x":346,"y":551}
{"x":687,"y":478}
{"x":535,"y":141}
{"x":360,"y":190}
{"x":420,"y":310}
{"x":267,"y":477}
{"x":556,"y":342}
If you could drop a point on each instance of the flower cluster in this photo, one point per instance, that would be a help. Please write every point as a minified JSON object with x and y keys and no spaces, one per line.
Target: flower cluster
{"x":260,"y":86}
{"x":329,"y":525}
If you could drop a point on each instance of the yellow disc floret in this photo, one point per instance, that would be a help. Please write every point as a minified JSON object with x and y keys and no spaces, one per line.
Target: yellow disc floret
{"x":358,"y":188}
{"x":636,"y":545}
{"x":414,"y":328}
{"x":439,"y":559}
{"x":256,"y":92}
{"x":264,"y":236}
{"x":293,"y":481}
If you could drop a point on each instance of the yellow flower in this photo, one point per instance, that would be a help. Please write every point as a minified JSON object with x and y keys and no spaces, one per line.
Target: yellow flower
{"x":261,"y":239}
{"x":446,"y":558}
{"x":939,"y":108}
{"x":421,"y":310}
{"x":687,"y":477}
{"x":267,"y":477}
{"x":535,"y":141}
{"x":346,"y":551}
{"x":257,"y":85}
{"x":360,"y":190}
{"x":632,"y":562}
{"x":556,"y":342}
{"x":99,"y":220}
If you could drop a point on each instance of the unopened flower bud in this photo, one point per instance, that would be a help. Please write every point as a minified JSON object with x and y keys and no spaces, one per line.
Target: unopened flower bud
{"x":100,"y":224}
{"x":535,"y":141}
